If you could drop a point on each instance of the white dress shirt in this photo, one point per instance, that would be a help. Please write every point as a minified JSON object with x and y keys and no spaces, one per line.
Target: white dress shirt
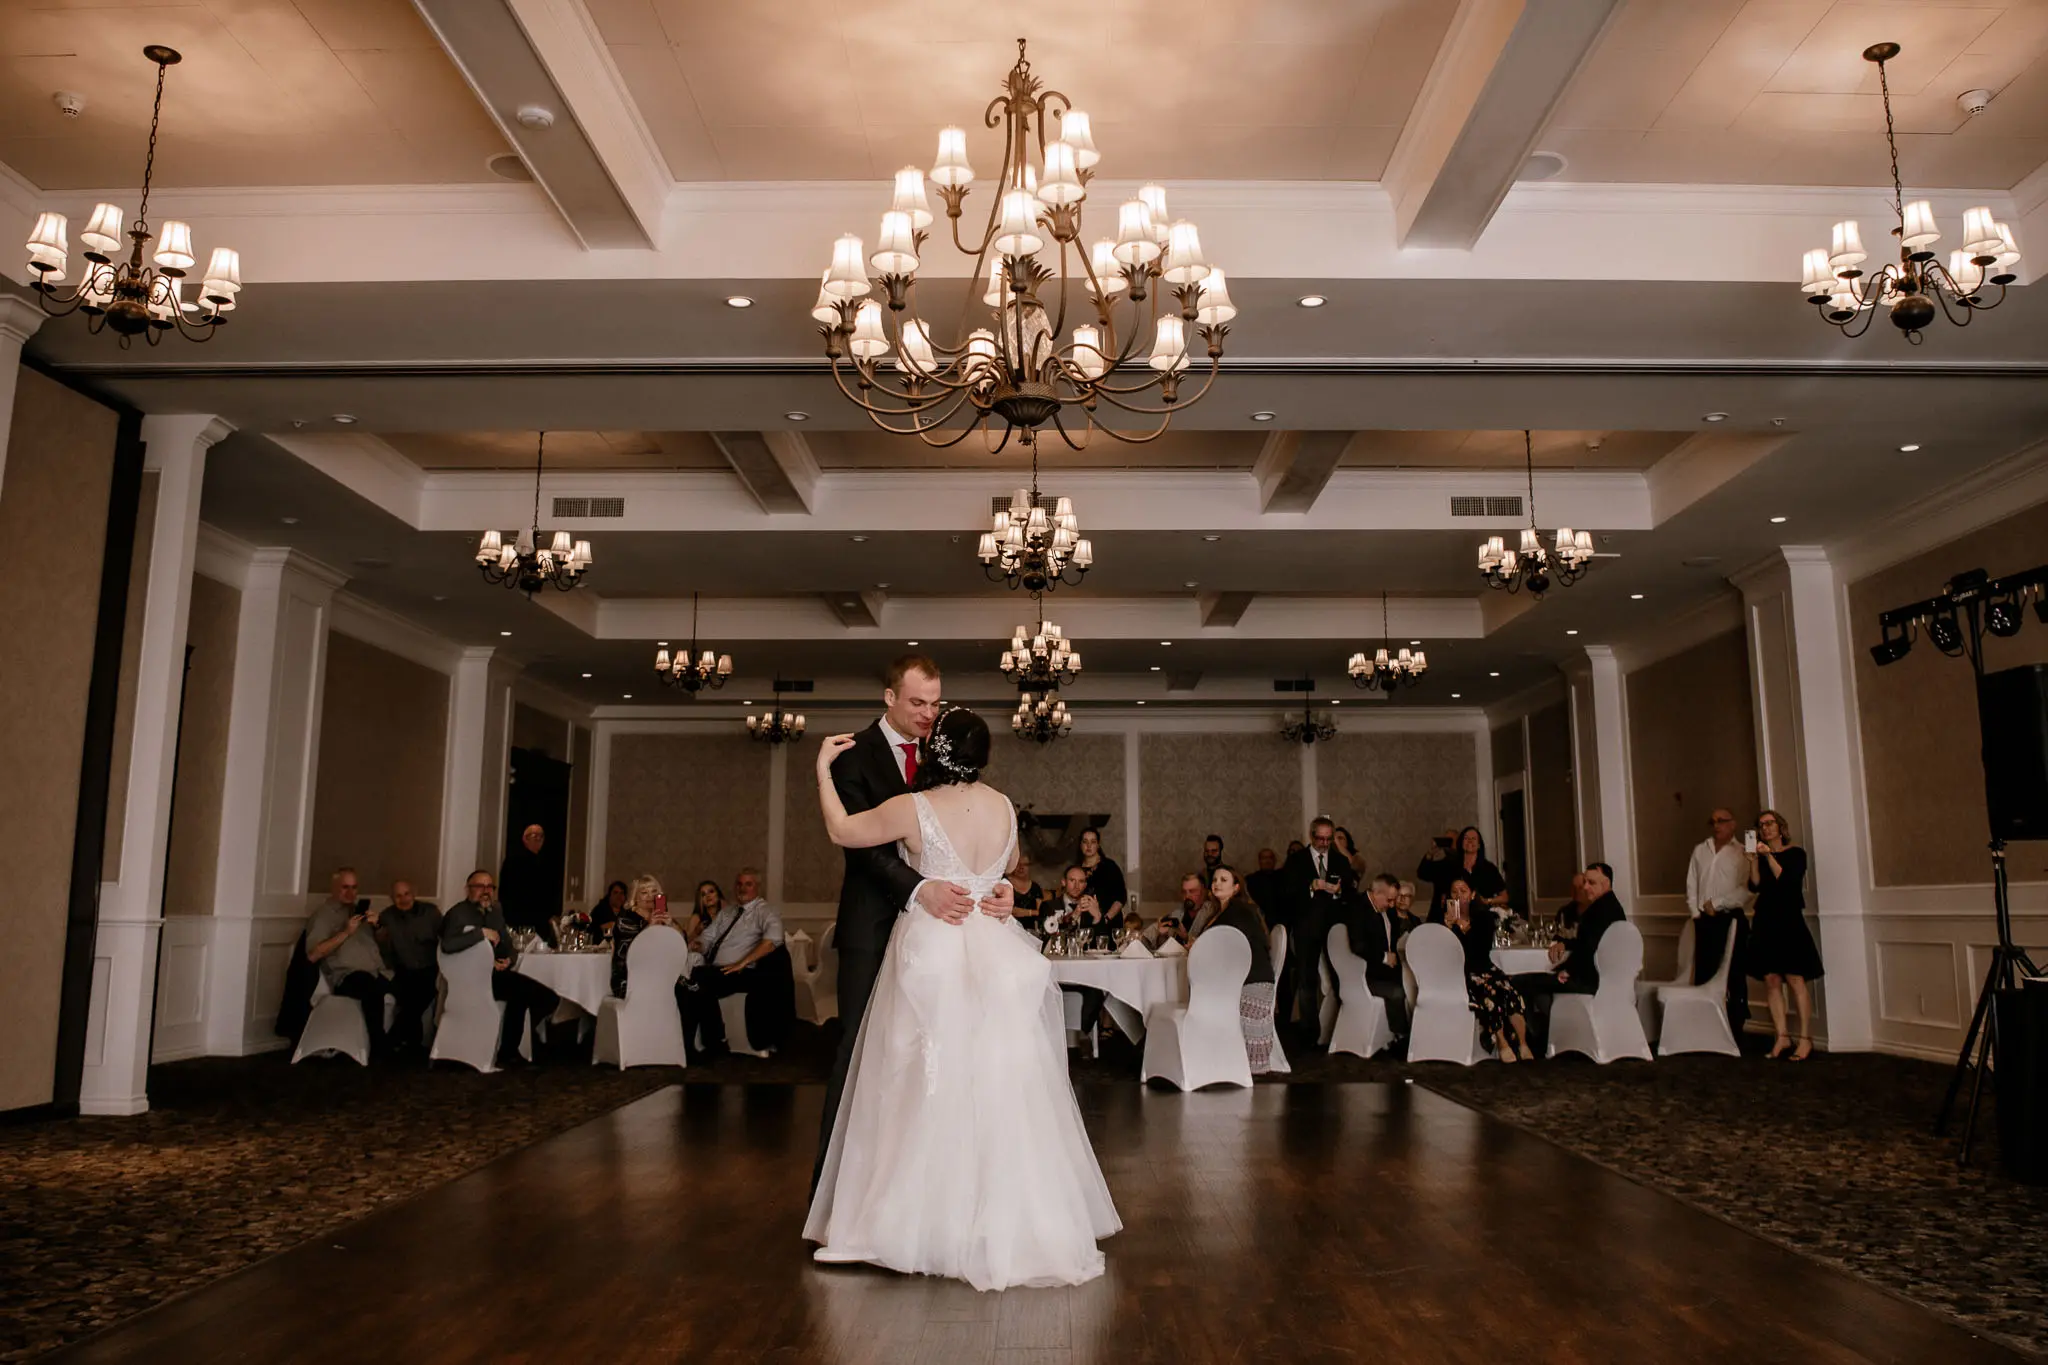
{"x":738,"y":929}
{"x":1717,"y":878}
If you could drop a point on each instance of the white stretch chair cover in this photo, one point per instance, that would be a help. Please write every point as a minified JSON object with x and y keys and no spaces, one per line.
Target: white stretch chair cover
{"x":1695,"y":1018}
{"x":1326,"y":1012}
{"x":1442,"y":1027}
{"x":1646,"y":991}
{"x":1276,"y":944}
{"x":335,"y":1027}
{"x":1605,"y":1025}
{"x":825,"y":981}
{"x":1361,"y":1026}
{"x":645,"y":1029}
{"x":1202,"y":1042}
{"x":470,"y":1016}
{"x":733,"y":1010}
{"x":803,"y":967}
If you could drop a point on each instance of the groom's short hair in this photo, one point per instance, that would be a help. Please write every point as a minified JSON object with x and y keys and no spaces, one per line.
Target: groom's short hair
{"x":910,"y":663}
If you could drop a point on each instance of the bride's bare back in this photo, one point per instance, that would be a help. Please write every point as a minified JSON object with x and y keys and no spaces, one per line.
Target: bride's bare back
{"x":977,"y":819}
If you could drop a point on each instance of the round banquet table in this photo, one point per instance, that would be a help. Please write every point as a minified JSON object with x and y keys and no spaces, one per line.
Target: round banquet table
{"x":581,"y":979}
{"x":1517,"y":960}
{"x":1133,"y":984}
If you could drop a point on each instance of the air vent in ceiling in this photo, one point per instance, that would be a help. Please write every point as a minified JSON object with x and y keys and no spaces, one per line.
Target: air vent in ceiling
{"x":1486,"y":507}
{"x":590,"y":507}
{"x":1001,"y":503}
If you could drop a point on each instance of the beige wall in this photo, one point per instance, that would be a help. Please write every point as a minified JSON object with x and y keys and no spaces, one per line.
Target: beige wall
{"x":1507,"y":749}
{"x":1692,"y":747}
{"x":377,"y":792}
{"x":1922,"y":774}
{"x":1395,"y":792}
{"x":1244,"y":787}
{"x":686,"y":808}
{"x":53,"y":518}
{"x":1553,"y":802}
{"x":535,"y":729}
{"x":131,"y":658}
{"x":202,"y":749}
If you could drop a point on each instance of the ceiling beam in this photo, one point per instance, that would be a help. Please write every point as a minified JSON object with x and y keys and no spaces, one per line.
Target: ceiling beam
{"x":1224,"y":608}
{"x":1294,"y":467}
{"x":776,"y":466}
{"x":857,"y":610}
{"x":592,"y":155}
{"x":1502,"y":68}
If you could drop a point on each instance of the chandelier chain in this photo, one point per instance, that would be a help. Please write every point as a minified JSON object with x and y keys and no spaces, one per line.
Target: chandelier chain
{"x":156,"y":114}
{"x":1884,"y":87}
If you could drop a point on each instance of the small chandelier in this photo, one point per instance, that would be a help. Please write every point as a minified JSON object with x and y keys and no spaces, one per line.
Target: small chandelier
{"x":132,"y":298}
{"x":1032,"y":543}
{"x":775,"y":725}
{"x":1384,"y":670}
{"x":1311,"y":728}
{"x":1041,"y":716}
{"x":520,"y":563}
{"x":1040,"y":657}
{"x":690,"y":670}
{"x":1533,"y":566}
{"x":1833,"y":279}
{"x":1017,"y":368}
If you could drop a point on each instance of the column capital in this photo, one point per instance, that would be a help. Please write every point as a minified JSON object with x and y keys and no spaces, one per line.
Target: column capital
{"x":165,"y":435}
{"x":282,"y":560}
{"x":19,"y":319}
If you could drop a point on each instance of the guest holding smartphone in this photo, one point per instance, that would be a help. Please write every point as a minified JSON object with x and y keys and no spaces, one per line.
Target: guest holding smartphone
{"x":1462,"y":855}
{"x":1781,"y":948}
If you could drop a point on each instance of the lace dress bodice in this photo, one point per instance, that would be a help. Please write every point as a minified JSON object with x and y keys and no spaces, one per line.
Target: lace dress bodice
{"x":941,"y":862}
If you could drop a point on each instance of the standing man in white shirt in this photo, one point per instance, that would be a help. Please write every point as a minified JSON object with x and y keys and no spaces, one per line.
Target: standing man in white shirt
{"x":1716,"y":890}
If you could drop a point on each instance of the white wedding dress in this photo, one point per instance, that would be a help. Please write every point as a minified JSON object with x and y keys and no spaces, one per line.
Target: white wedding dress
{"x":958,"y":1149}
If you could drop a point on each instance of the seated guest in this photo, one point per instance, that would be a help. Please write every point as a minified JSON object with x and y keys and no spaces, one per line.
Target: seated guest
{"x":743,"y":952}
{"x":1488,"y":991}
{"x":1194,"y":894}
{"x":645,"y":905}
{"x":617,"y":897}
{"x":1105,"y":878}
{"x":1462,"y":855}
{"x":341,"y":936}
{"x":1170,"y":927}
{"x":530,"y":896}
{"x":1134,"y":926}
{"x":1404,"y":906}
{"x":410,"y":930}
{"x":1076,"y":908}
{"x":1574,"y":972}
{"x":1568,"y":913}
{"x":480,"y":920}
{"x":1026,"y":895}
{"x":1268,"y":886}
{"x":1374,"y":931}
{"x":1235,"y":912}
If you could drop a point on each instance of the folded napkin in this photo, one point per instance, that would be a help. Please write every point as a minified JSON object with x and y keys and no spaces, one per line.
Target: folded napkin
{"x":1171,"y":948}
{"x":1135,"y":948}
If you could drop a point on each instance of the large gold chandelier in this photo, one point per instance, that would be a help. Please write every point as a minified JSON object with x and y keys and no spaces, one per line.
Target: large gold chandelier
{"x":1016,"y":363}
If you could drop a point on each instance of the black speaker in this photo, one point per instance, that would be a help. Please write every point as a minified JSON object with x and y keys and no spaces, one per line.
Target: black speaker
{"x":2012,"y":706}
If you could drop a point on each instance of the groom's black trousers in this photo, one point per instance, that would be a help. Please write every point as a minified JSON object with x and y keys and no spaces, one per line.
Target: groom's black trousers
{"x":859,"y":965}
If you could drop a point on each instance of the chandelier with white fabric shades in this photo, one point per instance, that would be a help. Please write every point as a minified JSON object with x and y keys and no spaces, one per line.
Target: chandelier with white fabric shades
{"x":1041,"y":716}
{"x":692,"y":671}
{"x":1918,"y":285}
{"x":1040,"y":656}
{"x":1385,"y":670}
{"x":1532,"y":566}
{"x":775,"y":725}
{"x":132,"y":298}
{"x":1012,"y":364}
{"x":1036,"y":541}
{"x":521,"y":563}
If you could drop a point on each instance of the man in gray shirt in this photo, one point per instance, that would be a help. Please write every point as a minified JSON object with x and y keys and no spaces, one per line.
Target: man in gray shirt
{"x":342,"y":940}
{"x":410,"y":930}
{"x":480,"y":920}
{"x":743,"y":955}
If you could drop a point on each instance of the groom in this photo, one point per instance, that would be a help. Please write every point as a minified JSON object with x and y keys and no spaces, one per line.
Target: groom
{"x":883,"y":763}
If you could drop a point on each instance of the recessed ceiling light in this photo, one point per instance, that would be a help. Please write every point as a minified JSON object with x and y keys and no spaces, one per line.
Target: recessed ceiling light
{"x":1715,"y":417}
{"x":858,"y":540}
{"x":1263,"y":415}
{"x":1777,"y":521}
{"x":347,"y":419}
{"x":439,"y":598}
{"x":1167,"y":643}
{"x":1493,"y":675}
{"x":1635,"y":597}
{"x":1212,"y":539}
{"x":1191,"y":583}
{"x":504,"y":632}
{"x":849,"y":604}
{"x":1335,"y":702}
{"x":748,"y":702}
{"x":1456,"y":695}
{"x":796,"y":416}
{"x":628,"y":696}
{"x":662,"y":644}
{"x":586,"y":675}
{"x":1415,"y":642}
{"x":883,"y":586}
{"x":911,"y":643}
{"x":1141,"y":703}
{"x":1910,"y":447}
{"x":1155,"y":668}
{"x":1311,"y":300}
{"x":294,"y":521}
{"x":1571,"y":632}
{"x":738,"y":301}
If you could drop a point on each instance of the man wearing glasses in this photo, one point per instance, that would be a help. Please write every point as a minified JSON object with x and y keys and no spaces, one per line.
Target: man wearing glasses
{"x":480,"y":919}
{"x":341,"y":937}
{"x":1716,"y":888}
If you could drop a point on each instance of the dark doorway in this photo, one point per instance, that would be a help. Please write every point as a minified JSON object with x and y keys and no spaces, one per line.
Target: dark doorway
{"x":538,"y":794}
{"x":1514,"y":851}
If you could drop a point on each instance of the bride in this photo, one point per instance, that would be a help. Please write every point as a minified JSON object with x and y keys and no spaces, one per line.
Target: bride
{"x":958,"y":1148}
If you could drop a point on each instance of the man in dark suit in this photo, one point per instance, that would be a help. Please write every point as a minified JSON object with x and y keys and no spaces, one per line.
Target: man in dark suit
{"x":882,"y":763}
{"x":1268,"y":887}
{"x":1574,"y":971}
{"x":1373,"y":929}
{"x":1319,"y":882}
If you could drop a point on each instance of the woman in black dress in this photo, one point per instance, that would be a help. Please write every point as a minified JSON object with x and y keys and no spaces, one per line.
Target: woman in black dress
{"x":1464,"y":860}
{"x":1105,"y":878}
{"x":1235,"y":909}
{"x":1781,"y":949}
{"x":1028,"y":899}
{"x":1493,"y":998}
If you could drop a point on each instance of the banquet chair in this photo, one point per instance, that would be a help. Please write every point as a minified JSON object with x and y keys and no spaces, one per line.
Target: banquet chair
{"x":335,"y":1027}
{"x":1441,"y":1026}
{"x":824,"y":984}
{"x":1276,"y":944}
{"x":1695,"y":1018}
{"x":1326,"y":1013}
{"x":1361,"y":1024}
{"x":1202,"y":1042}
{"x":733,"y":1010}
{"x":645,"y":1028}
{"x":1605,"y":1025}
{"x":803,"y":970}
{"x":1646,"y":991}
{"x":470,"y":1015}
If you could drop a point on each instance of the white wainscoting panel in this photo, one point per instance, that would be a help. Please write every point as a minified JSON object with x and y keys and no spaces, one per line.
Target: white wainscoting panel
{"x":182,"y":962}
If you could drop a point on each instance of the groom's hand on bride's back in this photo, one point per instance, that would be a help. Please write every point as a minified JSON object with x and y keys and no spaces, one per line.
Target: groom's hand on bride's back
{"x":1001,"y":902}
{"x":946,"y":901}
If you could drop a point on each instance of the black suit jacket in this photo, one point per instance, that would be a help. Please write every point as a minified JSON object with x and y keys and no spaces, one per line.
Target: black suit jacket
{"x":1368,"y":936}
{"x":1595,"y":921}
{"x":1321,"y":907}
{"x":878,"y":882}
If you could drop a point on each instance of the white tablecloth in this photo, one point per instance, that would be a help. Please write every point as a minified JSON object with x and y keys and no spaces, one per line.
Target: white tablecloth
{"x":581,"y":979}
{"x":1516,"y":960}
{"x":1133,"y":984}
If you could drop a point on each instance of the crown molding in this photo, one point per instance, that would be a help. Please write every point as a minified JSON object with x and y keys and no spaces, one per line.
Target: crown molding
{"x":1991,"y":494}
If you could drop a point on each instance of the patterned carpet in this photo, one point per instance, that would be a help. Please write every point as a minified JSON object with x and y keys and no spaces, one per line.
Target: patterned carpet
{"x":240,"y":1158}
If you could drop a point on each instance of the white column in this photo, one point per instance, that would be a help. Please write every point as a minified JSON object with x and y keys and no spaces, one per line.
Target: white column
{"x":778,"y":822}
{"x":1827,"y":735}
{"x":131,"y":908}
{"x":1133,"y":805}
{"x":18,"y":322}
{"x":266,"y":818}
{"x":1610,"y":747}
{"x":1309,"y":786}
{"x":473,"y":812}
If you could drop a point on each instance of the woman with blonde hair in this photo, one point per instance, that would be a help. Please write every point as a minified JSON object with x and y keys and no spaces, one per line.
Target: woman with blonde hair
{"x":1781,"y":948}
{"x":645,"y":904}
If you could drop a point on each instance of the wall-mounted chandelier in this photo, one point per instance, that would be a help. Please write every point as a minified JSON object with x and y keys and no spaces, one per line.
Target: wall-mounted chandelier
{"x":1021,"y":366}
{"x":1385,"y":670}
{"x":1311,"y":728}
{"x":1834,"y":281}
{"x":690,"y":670}
{"x":1040,"y":656}
{"x":128,"y":296}
{"x":1041,"y":716}
{"x":775,"y":725}
{"x":1532,"y":566}
{"x":1035,"y":542}
{"x":520,"y":563}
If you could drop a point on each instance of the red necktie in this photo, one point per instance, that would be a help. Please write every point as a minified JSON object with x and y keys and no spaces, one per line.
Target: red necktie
{"x":909,"y":762}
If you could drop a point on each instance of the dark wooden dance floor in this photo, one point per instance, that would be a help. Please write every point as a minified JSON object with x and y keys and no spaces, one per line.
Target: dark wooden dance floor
{"x":1297,"y":1223}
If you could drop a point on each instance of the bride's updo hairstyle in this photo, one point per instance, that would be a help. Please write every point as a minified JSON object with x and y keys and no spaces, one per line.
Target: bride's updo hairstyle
{"x":956,"y":750}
